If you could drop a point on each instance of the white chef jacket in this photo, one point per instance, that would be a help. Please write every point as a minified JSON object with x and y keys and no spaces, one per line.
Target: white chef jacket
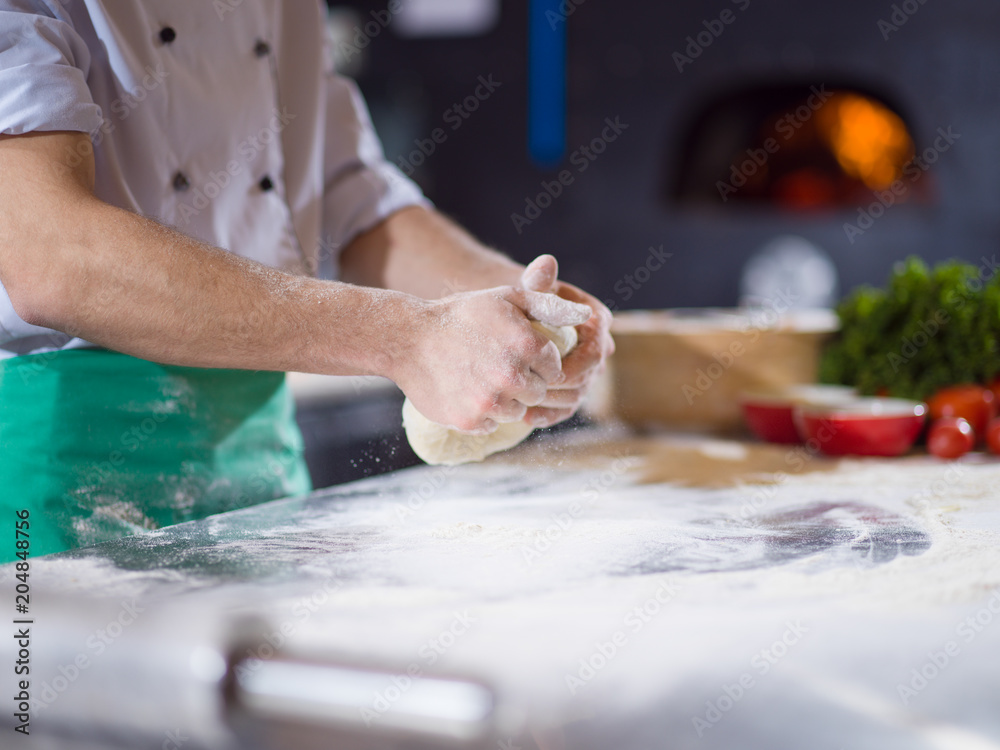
{"x":222,"y":118}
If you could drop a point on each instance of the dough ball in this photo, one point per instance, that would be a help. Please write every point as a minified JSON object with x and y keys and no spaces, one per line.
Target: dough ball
{"x":564,"y":336}
{"x":437,"y":444}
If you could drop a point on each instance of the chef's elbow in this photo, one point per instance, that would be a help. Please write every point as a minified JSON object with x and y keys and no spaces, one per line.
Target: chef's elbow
{"x":46,"y":210}
{"x":38,"y":298}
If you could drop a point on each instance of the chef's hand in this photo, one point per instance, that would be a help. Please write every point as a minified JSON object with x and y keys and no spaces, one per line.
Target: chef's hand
{"x":473,"y":360}
{"x":586,"y":361}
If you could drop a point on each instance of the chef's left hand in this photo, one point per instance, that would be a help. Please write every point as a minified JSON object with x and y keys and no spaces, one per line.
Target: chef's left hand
{"x":582,"y":365}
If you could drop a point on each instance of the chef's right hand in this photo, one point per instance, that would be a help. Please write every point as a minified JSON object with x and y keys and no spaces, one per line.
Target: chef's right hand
{"x":473,"y":360}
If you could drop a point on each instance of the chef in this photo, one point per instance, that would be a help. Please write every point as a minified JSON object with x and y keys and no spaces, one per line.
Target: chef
{"x":171,"y":173}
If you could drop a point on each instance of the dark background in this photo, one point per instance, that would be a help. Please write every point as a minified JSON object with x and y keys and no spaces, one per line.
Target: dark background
{"x":940,"y":69}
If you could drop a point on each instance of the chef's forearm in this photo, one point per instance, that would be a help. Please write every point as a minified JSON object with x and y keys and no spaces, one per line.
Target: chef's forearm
{"x":131,"y":285}
{"x":420,"y":252}
{"x":200,"y":306}
{"x":73,"y":263}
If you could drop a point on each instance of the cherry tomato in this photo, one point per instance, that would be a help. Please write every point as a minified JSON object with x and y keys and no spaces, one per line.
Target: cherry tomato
{"x":950,"y":437}
{"x":972,"y":403}
{"x":995,"y":387}
{"x":993,"y":436}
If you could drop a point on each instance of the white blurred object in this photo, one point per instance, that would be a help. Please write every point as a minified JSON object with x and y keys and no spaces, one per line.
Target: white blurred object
{"x":422,"y":18}
{"x":342,"y":24}
{"x":789,"y":271}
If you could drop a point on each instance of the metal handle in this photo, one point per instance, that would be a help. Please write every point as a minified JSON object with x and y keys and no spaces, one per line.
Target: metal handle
{"x":362,"y":702}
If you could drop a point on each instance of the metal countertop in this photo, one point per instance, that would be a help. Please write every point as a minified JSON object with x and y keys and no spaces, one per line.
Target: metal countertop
{"x":565,"y":596}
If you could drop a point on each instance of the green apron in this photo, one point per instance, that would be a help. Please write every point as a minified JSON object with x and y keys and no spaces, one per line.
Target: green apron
{"x":98,"y":445}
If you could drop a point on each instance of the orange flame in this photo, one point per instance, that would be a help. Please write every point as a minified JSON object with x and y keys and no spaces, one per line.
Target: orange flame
{"x":868,"y":140}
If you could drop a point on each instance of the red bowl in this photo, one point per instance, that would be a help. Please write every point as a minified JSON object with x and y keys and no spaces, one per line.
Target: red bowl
{"x":862,"y":427}
{"x":770,"y":415}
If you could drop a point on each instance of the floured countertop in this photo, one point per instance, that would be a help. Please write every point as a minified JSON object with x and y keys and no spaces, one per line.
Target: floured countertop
{"x":619,"y":592}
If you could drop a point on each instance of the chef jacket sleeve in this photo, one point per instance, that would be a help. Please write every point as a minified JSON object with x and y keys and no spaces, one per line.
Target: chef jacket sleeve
{"x":361,"y":188}
{"x":43,"y":70}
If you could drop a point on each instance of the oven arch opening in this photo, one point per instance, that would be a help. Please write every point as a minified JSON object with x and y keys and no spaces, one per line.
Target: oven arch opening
{"x":797,"y":147}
